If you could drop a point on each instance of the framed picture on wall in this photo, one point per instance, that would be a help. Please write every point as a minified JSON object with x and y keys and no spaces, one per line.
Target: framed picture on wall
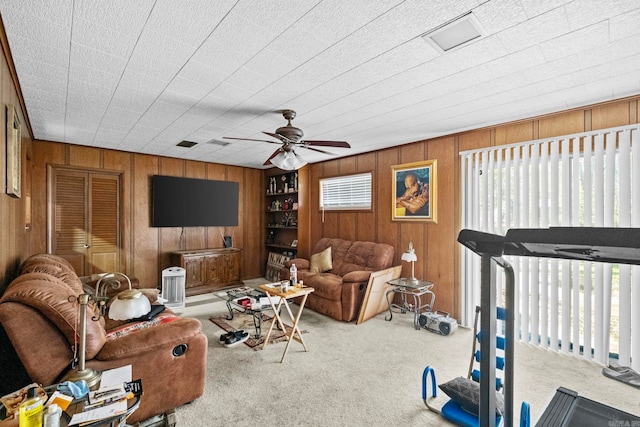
{"x":414,"y":191}
{"x":14,"y":152}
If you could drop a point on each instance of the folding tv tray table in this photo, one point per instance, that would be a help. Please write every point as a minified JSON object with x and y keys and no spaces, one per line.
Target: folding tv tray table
{"x":612,"y":245}
{"x":274,"y":290}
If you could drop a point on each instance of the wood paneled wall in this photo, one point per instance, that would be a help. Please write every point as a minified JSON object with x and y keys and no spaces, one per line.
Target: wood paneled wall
{"x":146,"y":249}
{"x":432,"y":241}
{"x":13,"y":232}
{"x":435,"y":243}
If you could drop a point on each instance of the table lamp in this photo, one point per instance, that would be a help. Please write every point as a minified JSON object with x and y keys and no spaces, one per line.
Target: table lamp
{"x":410,"y":256}
{"x":128,"y":304}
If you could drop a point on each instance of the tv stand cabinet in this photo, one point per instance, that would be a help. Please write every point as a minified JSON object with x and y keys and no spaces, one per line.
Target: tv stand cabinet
{"x":209,"y":269}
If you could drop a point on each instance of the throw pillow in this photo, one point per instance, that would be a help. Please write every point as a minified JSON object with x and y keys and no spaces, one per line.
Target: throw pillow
{"x":321,"y":262}
{"x":466,"y":393}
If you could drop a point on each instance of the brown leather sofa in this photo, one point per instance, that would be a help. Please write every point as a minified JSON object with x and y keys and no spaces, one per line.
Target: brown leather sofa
{"x":339,"y":292}
{"x":39,"y":319}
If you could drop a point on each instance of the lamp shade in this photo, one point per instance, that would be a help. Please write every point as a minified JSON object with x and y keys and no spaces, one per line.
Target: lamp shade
{"x":409,"y":256}
{"x":278,"y":159}
{"x":297,"y":162}
{"x":129,"y":304}
{"x":288,"y":160}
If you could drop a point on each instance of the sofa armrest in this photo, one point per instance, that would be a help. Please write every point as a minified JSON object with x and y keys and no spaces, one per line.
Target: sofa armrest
{"x":301,"y":263}
{"x":357,"y":276}
{"x":150,"y":339}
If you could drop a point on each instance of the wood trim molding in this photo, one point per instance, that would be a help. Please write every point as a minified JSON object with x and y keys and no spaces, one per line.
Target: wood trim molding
{"x":14,"y":76}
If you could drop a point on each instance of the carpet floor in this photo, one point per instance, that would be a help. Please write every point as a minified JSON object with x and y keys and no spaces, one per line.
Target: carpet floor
{"x":366,"y":375}
{"x":245,"y":322}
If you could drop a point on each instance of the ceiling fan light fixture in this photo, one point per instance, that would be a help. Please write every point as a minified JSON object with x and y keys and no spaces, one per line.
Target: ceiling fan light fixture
{"x":290,"y":137}
{"x":288,"y":160}
{"x":278,"y":160}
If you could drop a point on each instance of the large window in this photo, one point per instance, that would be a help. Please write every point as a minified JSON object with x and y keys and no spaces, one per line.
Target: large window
{"x":347,"y":192}
{"x":591,"y":179}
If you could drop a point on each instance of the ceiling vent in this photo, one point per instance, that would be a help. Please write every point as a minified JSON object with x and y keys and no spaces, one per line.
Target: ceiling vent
{"x":455,"y":33}
{"x":186,"y":144}
{"x":220,"y":143}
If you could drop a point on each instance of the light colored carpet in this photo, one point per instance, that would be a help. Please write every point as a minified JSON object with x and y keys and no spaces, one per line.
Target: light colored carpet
{"x":366,"y":375}
{"x":246,"y":323}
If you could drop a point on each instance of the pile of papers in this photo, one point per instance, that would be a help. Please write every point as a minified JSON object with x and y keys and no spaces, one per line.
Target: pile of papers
{"x":110,"y":400}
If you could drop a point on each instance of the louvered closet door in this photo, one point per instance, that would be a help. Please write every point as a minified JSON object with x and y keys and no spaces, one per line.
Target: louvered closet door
{"x":104,"y":238}
{"x":84,"y":219}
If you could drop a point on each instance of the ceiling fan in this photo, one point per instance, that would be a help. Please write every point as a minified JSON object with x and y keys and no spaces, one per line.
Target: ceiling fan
{"x":290,"y":137}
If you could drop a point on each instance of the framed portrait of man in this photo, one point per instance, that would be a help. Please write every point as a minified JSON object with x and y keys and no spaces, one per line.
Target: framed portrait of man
{"x":414,"y":191}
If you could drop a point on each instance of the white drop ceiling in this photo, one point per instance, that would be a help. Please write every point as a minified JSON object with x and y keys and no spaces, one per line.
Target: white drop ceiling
{"x":143,"y":75}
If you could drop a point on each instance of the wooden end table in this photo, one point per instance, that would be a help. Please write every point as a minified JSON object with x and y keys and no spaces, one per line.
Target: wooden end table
{"x":295,"y":334}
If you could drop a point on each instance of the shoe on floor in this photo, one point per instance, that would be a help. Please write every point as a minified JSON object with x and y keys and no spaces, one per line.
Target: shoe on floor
{"x":231,"y":334}
{"x":236,"y":339}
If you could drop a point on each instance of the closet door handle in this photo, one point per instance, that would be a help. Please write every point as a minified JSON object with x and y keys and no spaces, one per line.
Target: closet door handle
{"x":86,"y":246}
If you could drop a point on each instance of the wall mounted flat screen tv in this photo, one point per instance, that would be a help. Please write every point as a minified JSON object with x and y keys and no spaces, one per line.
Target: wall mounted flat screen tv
{"x":191,"y":202}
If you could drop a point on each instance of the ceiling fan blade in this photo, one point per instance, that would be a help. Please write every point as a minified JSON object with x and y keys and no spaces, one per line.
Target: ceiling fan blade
{"x":340,"y":144}
{"x":316,"y":149}
{"x":250,"y":139}
{"x":280,"y":137}
{"x":268,"y":161}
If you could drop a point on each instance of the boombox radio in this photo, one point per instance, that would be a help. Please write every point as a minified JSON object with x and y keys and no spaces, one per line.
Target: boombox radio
{"x":439,"y":322}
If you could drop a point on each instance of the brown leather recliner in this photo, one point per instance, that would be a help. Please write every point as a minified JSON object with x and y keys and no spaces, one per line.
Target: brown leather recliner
{"x":339,"y":292}
{"x":39,"y":318}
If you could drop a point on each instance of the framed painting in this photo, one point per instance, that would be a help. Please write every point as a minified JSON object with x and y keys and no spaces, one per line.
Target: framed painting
{"x":414,"y":191}
{"x":14,"y":152}
{"x":376,"y":300}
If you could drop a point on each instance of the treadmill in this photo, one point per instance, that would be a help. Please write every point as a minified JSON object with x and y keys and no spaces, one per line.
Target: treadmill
{"x":601,"y":244}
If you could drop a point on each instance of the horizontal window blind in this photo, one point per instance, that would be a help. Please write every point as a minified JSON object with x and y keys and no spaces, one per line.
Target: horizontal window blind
{"x":346,"y":192}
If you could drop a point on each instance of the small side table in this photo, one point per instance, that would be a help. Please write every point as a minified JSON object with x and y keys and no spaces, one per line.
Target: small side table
{"x":295,"y":333}
{"x":230,"y":298}
{"x":77,"y":405}
{"x":414,"y":288}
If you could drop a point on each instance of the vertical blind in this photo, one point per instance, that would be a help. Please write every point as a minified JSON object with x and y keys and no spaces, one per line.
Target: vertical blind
{"x":346,"y":192}
{"x":590,"y":179}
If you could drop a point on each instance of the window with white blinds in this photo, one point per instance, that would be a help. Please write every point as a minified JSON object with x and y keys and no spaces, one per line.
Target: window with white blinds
{"x":346,"y":192}
{"x":590,"y":179}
